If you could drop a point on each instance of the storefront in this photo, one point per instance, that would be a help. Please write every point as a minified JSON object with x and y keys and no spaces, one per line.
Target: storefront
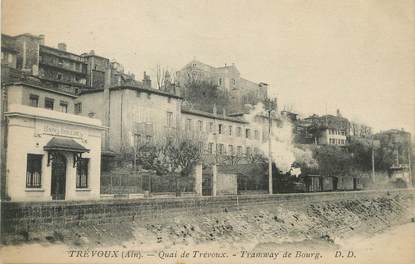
{"x":52,"y":155}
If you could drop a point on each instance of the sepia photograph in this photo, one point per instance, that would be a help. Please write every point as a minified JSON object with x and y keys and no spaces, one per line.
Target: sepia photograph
{"x":207,"y":131}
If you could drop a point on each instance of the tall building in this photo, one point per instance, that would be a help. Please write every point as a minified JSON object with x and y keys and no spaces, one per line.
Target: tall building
{"x":227,"y":78}
{"x":58,"y":68}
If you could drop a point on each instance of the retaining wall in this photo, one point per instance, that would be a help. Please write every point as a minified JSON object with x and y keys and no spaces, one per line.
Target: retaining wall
{"x":18,"y":217}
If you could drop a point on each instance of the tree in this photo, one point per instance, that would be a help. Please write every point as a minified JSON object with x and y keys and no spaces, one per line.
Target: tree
{"x":333,"y":161}
{"x":175,"y":157}
{"x":203,"y":95}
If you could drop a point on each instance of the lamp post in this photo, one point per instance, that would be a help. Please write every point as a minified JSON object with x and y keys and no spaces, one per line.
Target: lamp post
{"x":270,"y":105}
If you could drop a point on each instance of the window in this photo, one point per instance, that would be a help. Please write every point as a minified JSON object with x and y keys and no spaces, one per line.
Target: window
{"x":248,"y":151}
{"x":239,"y":150}
{"x":137,"y":140}
{"x":149,"y":139}
{"x":220,"y":127}
{"x":188,"y":125}
{"x":247,"y":133}
{"x":233,"y":81}
{"x":220,"y":149}
{"x":230,"y":130}
{"x":211,"y":127}
{"x":230,"y":148}
{"x":82,"y":173}
{"x":34,"y":100}
{"x":78,"y":108}
{"x":200,"y":125}
{"x":238,"y":131}
{"x":60,"y":76}
{"x":256,"y":134}
{"x":49,"y":103}
{"x":210,"y":148}
{"x":33,"y":171}
{"x":169,"y":119}
{"x":220,"y":81}
{"x":64,"y":107}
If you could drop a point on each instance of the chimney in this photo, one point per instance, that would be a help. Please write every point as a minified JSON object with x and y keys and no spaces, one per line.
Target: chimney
{"x":62,"y":46}
{"x":42,"y":39}
{"x":146,"y":81}
{"x":338,"y":113}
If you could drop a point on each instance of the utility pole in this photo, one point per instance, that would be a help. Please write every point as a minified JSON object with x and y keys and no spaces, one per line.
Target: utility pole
{"x":269,"y":154}
{"x":373,"y":161}
{"x":214,"y":167}
{"x":270,"y":105}
{"x":410,"y":165}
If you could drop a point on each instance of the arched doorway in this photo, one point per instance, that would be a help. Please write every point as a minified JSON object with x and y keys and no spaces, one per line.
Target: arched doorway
{"x":58,"y":186}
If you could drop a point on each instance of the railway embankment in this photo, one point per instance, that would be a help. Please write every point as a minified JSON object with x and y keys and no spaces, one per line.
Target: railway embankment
{"x":256,"y":219}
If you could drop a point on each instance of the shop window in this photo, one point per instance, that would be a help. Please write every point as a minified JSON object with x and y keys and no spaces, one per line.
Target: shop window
{"x":49,"y":103}
{"x":63,"y":107}
{"x":82,"y":173}
{"x":33,"y":171}
{"x":34,"y":100}
{"x":78,"y":108}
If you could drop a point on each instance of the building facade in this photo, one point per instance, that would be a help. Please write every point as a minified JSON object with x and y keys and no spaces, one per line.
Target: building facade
{"x":50,"y":153}
{"x":227,"y":78}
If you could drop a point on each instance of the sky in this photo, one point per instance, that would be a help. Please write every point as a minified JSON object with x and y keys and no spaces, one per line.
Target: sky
{"x":317,"y":55}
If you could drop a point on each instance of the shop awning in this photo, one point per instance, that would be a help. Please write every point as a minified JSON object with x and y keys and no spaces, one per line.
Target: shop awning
{"x":65,"y":144}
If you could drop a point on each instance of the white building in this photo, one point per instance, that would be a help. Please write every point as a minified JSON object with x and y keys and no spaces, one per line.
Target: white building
{"x":50,"y":153}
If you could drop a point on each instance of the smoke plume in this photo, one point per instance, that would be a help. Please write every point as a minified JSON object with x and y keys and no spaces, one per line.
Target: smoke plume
{"x":284,"y":152}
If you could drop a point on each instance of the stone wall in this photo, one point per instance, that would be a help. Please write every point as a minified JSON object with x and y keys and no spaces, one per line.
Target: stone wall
{"x":22,"y":218}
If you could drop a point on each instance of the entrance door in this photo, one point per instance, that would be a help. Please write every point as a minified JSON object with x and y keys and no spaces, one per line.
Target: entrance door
{"x":335,"y":182}
{"x":58,"y":187}
{"x":207,"y":184}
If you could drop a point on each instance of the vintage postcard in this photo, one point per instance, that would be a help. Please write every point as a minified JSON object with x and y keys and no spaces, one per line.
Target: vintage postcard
{"x":211,"y":131}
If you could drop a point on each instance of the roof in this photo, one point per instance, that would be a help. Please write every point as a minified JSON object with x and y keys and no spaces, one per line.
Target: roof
{"x":40,"y":86}
{"x":211,"y":115}
{"x":65,"y":144}
{"x":131,"y":87}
